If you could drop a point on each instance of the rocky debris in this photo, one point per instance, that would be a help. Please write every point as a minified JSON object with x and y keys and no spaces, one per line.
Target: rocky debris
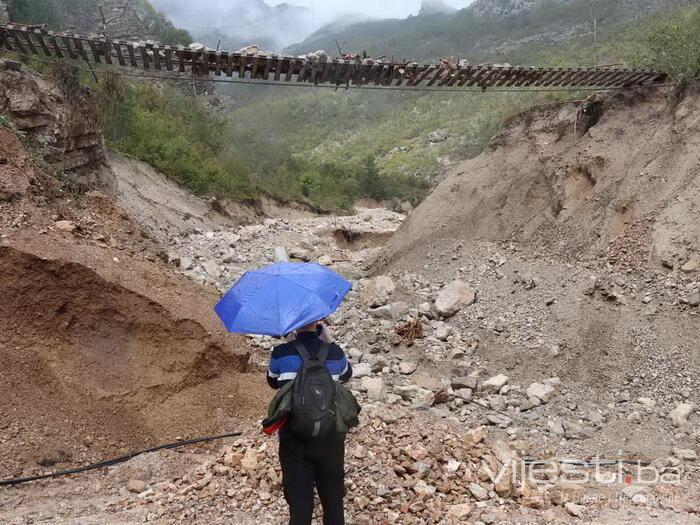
{"x":398,"y":465}
{"x":453,"y":297}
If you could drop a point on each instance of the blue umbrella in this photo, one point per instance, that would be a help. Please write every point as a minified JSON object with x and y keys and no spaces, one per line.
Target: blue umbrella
{"x":278,"y":299}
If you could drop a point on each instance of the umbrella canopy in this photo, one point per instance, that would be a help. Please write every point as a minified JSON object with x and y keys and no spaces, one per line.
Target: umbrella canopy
{"x":278,"y":299}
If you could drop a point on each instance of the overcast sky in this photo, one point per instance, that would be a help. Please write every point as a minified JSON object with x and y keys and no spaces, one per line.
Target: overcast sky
{"x":325,"y":10}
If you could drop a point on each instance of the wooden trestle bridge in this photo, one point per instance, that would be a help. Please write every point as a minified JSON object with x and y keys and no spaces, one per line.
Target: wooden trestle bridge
{"x":155,"y":57}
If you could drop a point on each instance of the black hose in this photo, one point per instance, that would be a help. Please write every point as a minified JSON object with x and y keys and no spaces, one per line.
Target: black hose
{"x":115,"y":461}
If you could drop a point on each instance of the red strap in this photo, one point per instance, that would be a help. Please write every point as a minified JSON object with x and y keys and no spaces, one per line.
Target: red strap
{"x":276,"y":426}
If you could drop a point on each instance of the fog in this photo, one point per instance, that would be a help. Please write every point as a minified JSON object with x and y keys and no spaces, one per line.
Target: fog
{"x":275,"y":24}
{"x":325,"y":11}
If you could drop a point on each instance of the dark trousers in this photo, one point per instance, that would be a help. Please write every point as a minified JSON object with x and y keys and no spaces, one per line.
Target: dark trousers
{"x":319,"y":462}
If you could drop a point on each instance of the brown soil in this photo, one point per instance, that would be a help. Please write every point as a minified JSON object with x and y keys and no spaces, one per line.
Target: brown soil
{"x":103,"y":347}
{"x":627,"y":190}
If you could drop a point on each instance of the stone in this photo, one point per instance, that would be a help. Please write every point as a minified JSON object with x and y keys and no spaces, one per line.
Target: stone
{"x":465,"y":393}
{"x":494,"y":384}
{"x":361,"y":370}
{"x":647,"y":403}
{"x":399,"y":309}
{"x":232,"y":459}
{"x":280,"y":254}
{"x":573,"y":509}
{"x":471,"y":382}
{"x":694,"y":299}
{"x":679,"y":415}
{"x":376,"y":390}
{"x":407,"y":367}
{"x":424,"y":490}
{"x":479,"y":492}
{"x":541,"y":391}
{"x":428,"y":382}
{"x":442,"y":330}
{"x":212,"y":269}
{"x":232,"y":257}
{"x":691,"y":265}
{"x":325,"y":260}
{"x":299,"y":253}
{"x":186,"y":263}
{"x":453,"y":298}
{"x":250,"y":460}
{"x":383,"y":312}
{"x":459,"y":511}
{"x":503,"y":452}
{"x":136,"y":486}
{"x":419,"y":397}
{"x":65,"y":226}
{"x":376,"y":292}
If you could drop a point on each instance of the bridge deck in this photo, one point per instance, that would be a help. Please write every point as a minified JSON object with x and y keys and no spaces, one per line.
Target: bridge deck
{"x":156,"y":57}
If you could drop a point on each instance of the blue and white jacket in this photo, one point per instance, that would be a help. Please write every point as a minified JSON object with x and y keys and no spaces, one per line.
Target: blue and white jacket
{"x":285,"y":361}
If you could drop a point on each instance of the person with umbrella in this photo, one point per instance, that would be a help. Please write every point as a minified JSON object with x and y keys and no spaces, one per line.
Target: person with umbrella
{"x":277,"y":301}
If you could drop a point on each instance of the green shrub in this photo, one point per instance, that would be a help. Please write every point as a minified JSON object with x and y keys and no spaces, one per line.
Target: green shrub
{"x":165,"y":128}
{"x":673,"y":46}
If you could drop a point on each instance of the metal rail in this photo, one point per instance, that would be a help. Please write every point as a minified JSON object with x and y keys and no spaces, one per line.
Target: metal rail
{"x":154,"y":57}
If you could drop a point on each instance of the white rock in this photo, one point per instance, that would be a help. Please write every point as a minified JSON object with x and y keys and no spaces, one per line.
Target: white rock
{"x":361,"y":370}
{"x":325,"y":260}
{"x":442,"y":330}
{"x":574,"y":509}
{"x":407,"y":367}
{"x":375,"y":388}
{"x":65,"y":226}
{"x":453,"y":298}
{"x":479,"y":492}
{"x":376,"y":292}
{"x":679,"y":415}
{"x":541,"y":391}
{"x":424,"y":490}
{"x":494,"y":384}
{"x":281,"y":254}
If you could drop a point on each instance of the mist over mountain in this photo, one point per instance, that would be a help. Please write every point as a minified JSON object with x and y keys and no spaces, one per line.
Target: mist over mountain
{"x":236,"y":23}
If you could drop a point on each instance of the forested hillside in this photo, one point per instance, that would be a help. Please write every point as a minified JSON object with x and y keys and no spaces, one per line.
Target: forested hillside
{"x":471,"y":34}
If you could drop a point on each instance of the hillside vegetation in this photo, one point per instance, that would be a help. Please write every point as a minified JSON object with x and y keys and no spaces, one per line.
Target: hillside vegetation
{"x":482,"y":39}
{"x":331,"y":148}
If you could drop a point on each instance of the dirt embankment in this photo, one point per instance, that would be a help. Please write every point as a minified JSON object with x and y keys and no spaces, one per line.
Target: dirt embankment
{"x":620,"y":184}
{"x":102,"y":346}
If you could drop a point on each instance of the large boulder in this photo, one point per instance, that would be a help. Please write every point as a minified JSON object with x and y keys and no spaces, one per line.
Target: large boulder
{"x":376,"y":292}
{"x":453,"y":297}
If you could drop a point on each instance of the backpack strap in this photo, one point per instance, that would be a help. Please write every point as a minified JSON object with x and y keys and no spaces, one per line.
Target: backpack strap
{"x":306,"y":357}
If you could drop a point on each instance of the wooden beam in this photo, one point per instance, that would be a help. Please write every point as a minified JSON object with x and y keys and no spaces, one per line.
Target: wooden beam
{"x":94,"y":50}
{"x":67,"y":43}
{"x":54,"y":45}
{"x":43,"y":45}
{"x":79,"y":46}
{"x":168,"y":58}
{"x":156,"y":56}
{"x":28,"y":39}
{"x":18,"y":42}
